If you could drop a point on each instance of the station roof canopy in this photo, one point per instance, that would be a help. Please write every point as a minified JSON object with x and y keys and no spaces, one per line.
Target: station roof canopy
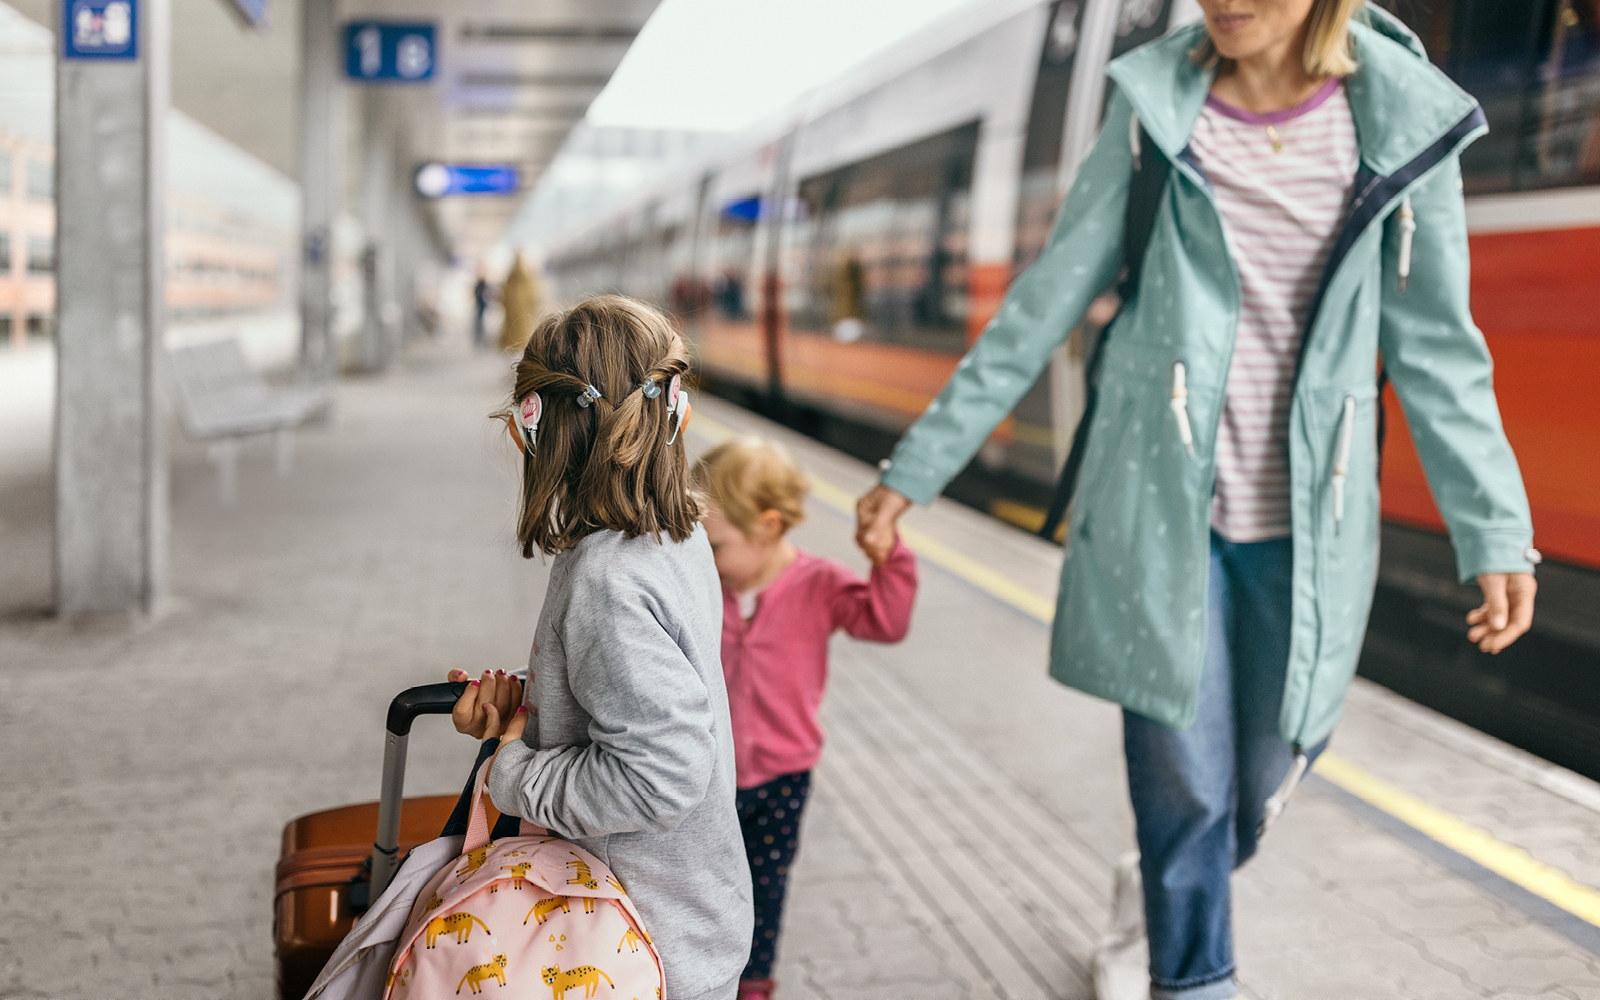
{"x":513,"y":77}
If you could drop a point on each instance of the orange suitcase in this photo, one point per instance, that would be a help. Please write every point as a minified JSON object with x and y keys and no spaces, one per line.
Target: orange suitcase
{"x":324,"y":874}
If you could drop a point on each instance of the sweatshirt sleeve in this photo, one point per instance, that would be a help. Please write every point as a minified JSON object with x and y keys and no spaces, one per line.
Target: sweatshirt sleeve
{"x":879,"y":608}
{"x":652,"y":747}
{"x":1440,"y":366}
{"x":1040,"y":310}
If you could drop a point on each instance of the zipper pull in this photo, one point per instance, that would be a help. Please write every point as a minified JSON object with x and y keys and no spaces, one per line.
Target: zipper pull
{"x":1133,"y":138}
{"x":1180,"y":406}
{"x":1280,"y":799}
{"x":1408,"y":226}
{"x":1341,"y":464}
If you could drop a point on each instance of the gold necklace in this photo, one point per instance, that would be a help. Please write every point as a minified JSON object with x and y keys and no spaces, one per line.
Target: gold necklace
{"x":1277,"y":143}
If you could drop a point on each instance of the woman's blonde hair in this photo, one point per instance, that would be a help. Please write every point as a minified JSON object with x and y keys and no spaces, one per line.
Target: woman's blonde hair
{"x":606,"y":466}
{"x":1327,"y":51}
{"x":746,"y":477}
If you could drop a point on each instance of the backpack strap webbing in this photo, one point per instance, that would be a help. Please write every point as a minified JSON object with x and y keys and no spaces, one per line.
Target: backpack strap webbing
{"x":1149,"y":179}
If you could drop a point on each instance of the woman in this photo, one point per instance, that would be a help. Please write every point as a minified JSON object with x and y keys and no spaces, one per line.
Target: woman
{"x":1224,"y":544}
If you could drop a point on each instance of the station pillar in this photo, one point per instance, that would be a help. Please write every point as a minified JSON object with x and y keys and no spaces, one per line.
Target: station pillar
{"x":321,"y":165}
{"x":111,"y":503}
{"x":377,"y":341}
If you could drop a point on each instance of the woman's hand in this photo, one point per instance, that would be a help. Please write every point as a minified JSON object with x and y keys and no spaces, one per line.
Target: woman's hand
{"x":1506,"y":612}
{"x":488,"y":700}
{"x":876,"y":514}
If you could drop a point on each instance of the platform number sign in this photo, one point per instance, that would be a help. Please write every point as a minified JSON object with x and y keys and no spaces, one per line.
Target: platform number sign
{"x":389,"y":52}
{"x":100,"y":29}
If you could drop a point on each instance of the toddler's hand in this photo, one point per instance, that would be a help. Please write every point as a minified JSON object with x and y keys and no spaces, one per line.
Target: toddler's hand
{"x":491,"y":698}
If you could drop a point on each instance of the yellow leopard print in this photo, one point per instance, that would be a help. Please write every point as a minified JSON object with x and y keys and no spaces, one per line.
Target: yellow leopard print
{"x":560,"y":982}
{"x":478,"y":974}
{"x":582,"y":875}
{"x":543,"y":908}
{"x":459,"y":924}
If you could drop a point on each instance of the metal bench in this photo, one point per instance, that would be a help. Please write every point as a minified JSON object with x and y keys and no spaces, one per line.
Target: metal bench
{"x":221,"y":399}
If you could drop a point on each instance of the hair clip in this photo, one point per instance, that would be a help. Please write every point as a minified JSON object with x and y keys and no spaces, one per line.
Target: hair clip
{"x":650,"y":389}
{"x":587,"y":397}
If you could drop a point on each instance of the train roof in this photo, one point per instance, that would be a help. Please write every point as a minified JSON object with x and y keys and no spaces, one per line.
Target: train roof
{"x":895,"y":60}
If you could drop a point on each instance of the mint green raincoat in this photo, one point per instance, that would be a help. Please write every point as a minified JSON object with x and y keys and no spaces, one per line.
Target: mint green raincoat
{"x":1130,"y":620}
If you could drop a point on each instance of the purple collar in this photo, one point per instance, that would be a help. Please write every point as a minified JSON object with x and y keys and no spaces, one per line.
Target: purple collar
{"x":1311,"y":103}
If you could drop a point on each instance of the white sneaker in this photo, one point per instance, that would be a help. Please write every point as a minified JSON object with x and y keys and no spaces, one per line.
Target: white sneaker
{"x":1122,"y":962}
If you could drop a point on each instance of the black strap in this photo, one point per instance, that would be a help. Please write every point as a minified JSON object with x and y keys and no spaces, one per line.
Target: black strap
{"x":1144,"y":199}
{"x":1383,"y":416}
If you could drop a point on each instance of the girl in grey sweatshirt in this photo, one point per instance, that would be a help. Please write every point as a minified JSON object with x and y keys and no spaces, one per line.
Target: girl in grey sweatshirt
{"x":625,"y":746}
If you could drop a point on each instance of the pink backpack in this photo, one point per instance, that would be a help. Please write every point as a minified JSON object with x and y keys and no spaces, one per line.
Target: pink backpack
{"x":524,"y":917}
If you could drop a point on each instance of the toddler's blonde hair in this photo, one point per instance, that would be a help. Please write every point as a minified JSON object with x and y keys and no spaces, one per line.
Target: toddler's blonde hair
{"x":747,"y":476}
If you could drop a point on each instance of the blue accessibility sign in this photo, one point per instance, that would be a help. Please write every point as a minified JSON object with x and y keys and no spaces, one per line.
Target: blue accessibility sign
{"x":386,"y":51}
{"x":100,"y":29}
{"x":437,"y":180}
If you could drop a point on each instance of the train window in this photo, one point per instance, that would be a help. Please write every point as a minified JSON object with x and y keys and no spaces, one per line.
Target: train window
{"x":1535,"y":68}
{"x":880,"y":247}
{"x":732,"y":249}
{"x":1138,"y":22}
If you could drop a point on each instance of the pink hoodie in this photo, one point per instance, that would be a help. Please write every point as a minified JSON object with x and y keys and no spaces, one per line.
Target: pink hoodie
{"x":776,"y":664}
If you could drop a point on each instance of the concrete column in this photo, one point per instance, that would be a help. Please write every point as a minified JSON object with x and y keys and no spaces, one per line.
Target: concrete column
{"x":111,"y":515}
{"x":378,"y":207}
{"x":321,"y":153}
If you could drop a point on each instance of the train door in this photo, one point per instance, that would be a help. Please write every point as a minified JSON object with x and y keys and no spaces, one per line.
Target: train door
{"x":1064,"y":115}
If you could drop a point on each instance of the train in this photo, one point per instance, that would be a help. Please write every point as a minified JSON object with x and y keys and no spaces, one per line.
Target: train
{"x":832,"y":264}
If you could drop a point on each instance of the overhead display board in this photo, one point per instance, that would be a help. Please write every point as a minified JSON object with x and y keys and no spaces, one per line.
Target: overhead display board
{"x":389,"y":52}
{"x":438,"y":180}
{"x":100,"y":29}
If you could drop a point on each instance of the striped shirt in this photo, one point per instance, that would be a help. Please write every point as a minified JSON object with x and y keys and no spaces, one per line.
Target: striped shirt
{"x":1280,"y":210}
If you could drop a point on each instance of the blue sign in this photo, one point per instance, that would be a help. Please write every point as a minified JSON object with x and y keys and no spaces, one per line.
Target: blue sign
{"x":100,"y":29}
{"x":436,"y":180}
{"x":380,"y":50}
{"x":253,"y":11}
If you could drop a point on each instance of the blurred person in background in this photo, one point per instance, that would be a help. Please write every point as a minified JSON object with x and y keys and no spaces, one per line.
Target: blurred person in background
{"x":520,"y":299}
{"x":1223,"y":547}
{"x":482,"y":295}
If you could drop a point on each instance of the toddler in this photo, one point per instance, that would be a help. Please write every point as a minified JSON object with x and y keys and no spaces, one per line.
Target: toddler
{"x":627,"y":750}
{"x":779,"y":606}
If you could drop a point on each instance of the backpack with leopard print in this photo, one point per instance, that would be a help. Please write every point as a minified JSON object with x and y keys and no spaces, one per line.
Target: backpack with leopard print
{"x":535,"y":916}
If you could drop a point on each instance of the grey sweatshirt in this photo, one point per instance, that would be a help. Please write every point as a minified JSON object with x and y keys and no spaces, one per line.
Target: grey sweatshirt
{"x":629,"y":752}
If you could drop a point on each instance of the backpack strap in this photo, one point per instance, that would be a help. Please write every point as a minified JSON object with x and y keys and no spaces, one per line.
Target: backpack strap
{"x":1150,"y":170}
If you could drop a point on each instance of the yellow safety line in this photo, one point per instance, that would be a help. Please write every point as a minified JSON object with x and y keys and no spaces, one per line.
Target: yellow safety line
{"x":1513,"y":864}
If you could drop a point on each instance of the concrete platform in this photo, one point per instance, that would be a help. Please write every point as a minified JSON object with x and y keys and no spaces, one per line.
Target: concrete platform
{"x":963,"y":821}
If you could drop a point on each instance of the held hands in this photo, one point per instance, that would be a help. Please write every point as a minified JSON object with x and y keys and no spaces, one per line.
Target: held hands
{"x":1506,"y":612}
{"x":876,"y":515}
{"x":491,"y":706}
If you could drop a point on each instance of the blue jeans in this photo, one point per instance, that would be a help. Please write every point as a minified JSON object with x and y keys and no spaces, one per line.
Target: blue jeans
{"x":1198,"y":793}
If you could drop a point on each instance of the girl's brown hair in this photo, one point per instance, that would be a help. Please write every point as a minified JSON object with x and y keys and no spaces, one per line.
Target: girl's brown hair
{"x":606,"y":466}
{"x":1327,"y":51}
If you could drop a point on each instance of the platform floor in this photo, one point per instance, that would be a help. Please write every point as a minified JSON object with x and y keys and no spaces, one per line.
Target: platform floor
{"x":963,"y":821}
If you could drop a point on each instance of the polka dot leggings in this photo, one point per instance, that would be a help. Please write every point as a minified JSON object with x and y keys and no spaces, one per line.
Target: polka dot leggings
{"x":769,"y":815}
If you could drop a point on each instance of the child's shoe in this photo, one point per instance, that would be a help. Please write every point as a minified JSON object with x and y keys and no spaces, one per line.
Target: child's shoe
{"x":756,"y":989}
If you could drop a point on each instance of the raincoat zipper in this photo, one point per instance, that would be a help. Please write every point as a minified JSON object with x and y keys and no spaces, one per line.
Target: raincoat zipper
{"x":1341,"y":463}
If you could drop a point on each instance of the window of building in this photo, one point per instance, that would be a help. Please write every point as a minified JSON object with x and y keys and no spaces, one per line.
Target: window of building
{"x":5,"y":253}
{"x":5,"y":173}
{"x":41,"y":255}
{"x":41,"y":326}
{"x":41,"y":180}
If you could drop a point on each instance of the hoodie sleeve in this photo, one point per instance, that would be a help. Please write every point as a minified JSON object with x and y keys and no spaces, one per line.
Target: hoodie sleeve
{"x":653,"y":745}
{"x":1442,"y":372}
{"x":1040,"y":310}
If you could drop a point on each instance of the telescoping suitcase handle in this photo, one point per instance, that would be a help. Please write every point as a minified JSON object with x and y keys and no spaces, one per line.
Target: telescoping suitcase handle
{"x":428,"y":699}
